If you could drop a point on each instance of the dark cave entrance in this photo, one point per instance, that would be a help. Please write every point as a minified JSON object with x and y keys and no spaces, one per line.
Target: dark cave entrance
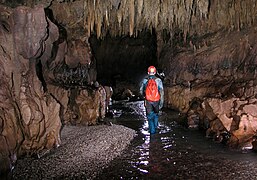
{"x":122,"y":61}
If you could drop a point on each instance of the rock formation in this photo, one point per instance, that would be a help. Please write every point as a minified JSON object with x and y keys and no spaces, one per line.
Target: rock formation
{"x":30,"y":118}
{"x":206,"y":48}
{"x":40,"y":71}
{"x":221,"y":71}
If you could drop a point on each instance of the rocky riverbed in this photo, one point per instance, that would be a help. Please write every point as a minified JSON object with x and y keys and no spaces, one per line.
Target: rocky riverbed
{"x":84,"y":152}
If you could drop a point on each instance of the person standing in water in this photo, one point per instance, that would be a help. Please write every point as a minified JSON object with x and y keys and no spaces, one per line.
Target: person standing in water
{"x":152,"y":90}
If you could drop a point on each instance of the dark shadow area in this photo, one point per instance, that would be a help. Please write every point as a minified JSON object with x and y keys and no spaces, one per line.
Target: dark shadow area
{"x":122,"y":61}
{"x":40,"y":75}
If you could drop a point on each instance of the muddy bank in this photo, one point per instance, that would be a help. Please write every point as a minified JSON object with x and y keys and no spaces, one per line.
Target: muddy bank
{"x":84,"y":152}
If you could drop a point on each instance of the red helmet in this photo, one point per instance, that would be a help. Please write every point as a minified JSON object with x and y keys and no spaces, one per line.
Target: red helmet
{"x":151,"y":70}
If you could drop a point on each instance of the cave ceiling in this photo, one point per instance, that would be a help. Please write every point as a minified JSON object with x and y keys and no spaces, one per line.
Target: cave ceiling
{"x":128,"y":17}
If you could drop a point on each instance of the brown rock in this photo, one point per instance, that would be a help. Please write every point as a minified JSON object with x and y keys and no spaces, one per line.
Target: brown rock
{"x":29,"y":39}
{"x":88,"y":105}
{"x":250,"y":109}
{"x":193,"y":121}
{"x":109,"y":93}
{"x":236,"y":117}
{"x":28,"y":113}
{"x":62,"y":96}
{"x":78,"y":52}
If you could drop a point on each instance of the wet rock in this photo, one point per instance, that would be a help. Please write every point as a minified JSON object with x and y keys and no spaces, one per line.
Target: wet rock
{"x":127,"y":94}
{"x":62,"y":96}
{"x":234,"y":116}
{"x":102,"y":98}
{"x":123,"y":93}
{"x":109,"y":92}
{"x":193,"y":120}
{"x":86,"y":106}
{"x":71,"y":66}
{"x":254,"y":144}
{"x":195,"y":114}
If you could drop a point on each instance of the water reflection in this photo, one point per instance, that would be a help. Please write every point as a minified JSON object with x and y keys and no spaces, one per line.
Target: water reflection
{"x":144,"y":130}
{"x":174,"y":152}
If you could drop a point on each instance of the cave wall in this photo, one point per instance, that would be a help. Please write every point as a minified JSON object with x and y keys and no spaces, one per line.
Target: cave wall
{"x":219,"y":65}
{"x":46,"y":81}
{"x":30,"y":118}
{"x":218,"y":73}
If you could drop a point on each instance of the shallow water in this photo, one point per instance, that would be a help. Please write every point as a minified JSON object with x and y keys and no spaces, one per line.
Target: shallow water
{"x":175,"y":152}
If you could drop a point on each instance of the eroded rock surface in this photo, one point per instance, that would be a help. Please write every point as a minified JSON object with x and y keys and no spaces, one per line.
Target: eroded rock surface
{"x":30,"y":116}
{"x":221,"y":72}
{"x":233,"y":116}
{"x":32,"y":106}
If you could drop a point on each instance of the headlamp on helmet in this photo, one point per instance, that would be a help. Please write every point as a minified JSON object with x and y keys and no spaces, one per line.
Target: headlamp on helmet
{"x":151,"y":70}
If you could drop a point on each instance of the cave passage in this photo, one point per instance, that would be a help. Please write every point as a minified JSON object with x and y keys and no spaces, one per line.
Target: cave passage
{"x":122,"y":61}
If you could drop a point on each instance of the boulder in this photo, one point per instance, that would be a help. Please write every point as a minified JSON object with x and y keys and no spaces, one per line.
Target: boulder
{"x":234,"y":116}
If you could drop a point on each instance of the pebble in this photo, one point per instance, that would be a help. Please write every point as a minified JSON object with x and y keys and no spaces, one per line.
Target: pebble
{"x":84,"y":153}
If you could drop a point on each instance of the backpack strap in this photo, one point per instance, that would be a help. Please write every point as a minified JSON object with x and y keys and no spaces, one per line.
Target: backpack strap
{"x":151,"y":77}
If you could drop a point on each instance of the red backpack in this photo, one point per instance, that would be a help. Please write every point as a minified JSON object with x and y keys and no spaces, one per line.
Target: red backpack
{"x":151,"y":91}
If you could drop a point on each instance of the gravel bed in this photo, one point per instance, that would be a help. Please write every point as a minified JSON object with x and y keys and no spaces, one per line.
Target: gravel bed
{"x":84,"y":152}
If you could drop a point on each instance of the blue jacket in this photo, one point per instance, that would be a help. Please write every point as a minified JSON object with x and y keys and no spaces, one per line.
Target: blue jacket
{"x":159,"y":84}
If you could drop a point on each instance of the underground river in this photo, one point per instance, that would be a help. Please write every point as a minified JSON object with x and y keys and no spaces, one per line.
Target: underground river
{"x":176,"y":152}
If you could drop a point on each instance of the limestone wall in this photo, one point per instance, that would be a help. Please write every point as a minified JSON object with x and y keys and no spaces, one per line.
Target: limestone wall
{"x":35,"y":91}
{"x":219,"y":68}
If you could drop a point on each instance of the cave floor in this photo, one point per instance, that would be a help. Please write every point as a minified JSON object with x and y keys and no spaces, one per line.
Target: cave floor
{"x":175,"y":152}
{"x":83,"y":153}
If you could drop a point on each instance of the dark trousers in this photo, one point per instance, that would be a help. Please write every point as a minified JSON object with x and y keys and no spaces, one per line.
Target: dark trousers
{"x":152,"y":110}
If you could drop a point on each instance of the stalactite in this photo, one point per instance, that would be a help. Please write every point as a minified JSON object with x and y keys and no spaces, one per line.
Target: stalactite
{"x":84,"y":16}
{"x":171,"y":14}
{"x":98,"y":17}
{"x":237,"y":7}
{"x":119,"y":17}
{"x":189,"y":9}
{"x":107,"y":17}
{"x":140,"y":4}
{"x":156,"y":14}
{"x":231,"y":11}
{"x":203,"y":7}
{"x":130,"y":16}
{"x":147,"y":13}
